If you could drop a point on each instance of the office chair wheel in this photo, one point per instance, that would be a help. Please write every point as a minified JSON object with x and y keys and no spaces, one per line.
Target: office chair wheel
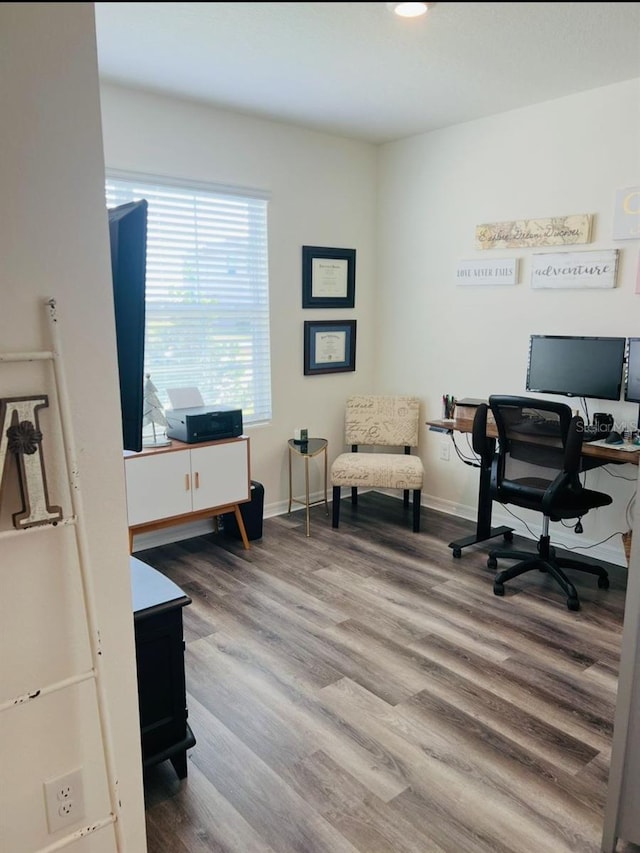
{"x":498,"y":588}
{"x":573,"y":604}
{"x":457,"y":553}
{"x":508,"y":536}
{"x":492,"y":563}
{"x":603,"y":583}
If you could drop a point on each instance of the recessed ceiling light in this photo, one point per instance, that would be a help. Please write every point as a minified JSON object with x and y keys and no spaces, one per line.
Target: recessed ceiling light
{"x":409,"y":10}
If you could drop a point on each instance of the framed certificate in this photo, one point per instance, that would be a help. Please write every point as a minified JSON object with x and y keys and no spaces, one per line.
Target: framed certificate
{"x":329,"y":346}
{"x":328,"y":277}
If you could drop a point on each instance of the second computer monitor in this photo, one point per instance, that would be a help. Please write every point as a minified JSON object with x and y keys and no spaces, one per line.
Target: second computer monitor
{"x":576,"y":366}
{"x":632,"y":386}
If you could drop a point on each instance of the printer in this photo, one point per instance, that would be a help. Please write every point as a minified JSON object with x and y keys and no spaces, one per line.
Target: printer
{"x":203,"y":423}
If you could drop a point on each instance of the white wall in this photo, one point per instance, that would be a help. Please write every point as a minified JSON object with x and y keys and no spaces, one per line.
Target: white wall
{"x":417,"y":332}
{"x":558,"y":158}
{"x":322,"y":194}
{"x":54,"y":243}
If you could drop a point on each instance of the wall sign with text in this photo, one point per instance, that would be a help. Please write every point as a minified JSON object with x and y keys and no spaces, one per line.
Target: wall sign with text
{"x":574,"y":269}
{"x":554,"y":231}
{"x":504,"y":271}
{"x":626,"y":216}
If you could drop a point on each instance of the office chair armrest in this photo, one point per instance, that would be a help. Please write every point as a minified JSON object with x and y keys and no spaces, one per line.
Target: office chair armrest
{"x":564,"y":482}
{"x":479,"y":441}
{"x":573,"y":445}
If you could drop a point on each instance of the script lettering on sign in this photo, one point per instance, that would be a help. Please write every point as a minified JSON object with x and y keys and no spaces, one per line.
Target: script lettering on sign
{"x":553,"y":231}
{"x":574,"y":269}
{"x":20,"y":435}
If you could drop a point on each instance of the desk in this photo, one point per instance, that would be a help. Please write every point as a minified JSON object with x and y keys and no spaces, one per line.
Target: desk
{"x":308,"y":450}
{"x":593,"y":457}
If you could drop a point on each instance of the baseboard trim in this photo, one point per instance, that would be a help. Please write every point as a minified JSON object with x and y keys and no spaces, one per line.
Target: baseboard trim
{"x":612,"y":552}
{"x":167,"y":535}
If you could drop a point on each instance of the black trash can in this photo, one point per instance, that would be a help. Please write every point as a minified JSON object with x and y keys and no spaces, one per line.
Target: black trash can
{"x":251,"y":515}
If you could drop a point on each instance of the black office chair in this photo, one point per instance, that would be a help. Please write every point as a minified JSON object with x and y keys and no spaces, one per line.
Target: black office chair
{"x":536,"y":467}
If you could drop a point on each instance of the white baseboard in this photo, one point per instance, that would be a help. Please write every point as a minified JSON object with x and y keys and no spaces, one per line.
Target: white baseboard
{"x":179,"y":532}
{"x":610,"y":552}
{"x":142,"y":541}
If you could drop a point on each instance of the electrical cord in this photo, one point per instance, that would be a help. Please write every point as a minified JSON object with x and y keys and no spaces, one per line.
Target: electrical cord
{"x":560,"y":544}
{"x":587,"y":547}
{"x":521,"y":520}
{"x":617,"y":476}
{"x":630,"y":508}
{"x":474,"y":463}
{"x":474,"y":455}
{"x":586,"y":410}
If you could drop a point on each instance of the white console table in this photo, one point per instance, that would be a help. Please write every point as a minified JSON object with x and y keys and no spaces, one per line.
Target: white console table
{"x":187,"y":482}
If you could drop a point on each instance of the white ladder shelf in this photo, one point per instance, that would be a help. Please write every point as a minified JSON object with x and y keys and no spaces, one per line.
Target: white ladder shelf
{"x":96,"y":673}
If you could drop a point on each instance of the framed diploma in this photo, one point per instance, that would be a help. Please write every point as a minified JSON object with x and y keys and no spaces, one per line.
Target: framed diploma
{"x":329,"y":346}
{"x":328,"y":277}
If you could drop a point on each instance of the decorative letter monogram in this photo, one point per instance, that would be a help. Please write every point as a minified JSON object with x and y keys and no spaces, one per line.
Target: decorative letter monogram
{"x":20,"y":435}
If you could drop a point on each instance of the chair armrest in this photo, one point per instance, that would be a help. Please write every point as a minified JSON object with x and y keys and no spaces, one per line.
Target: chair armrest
{"x":479,"y":441}
{"x":562,"y":483}
{"x":573,"y":445}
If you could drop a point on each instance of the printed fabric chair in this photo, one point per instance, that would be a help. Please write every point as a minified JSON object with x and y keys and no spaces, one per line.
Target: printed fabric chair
{"x":380,"y":422}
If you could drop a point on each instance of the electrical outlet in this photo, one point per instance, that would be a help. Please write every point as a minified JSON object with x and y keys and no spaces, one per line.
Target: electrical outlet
{"x":64,"y":799}
{"x":445,"y":450}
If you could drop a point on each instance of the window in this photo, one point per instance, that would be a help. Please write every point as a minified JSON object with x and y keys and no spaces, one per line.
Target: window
{"x":207,"y":291}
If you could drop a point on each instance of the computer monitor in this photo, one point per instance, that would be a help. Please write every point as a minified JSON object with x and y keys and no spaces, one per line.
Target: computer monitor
{"x":576,"y":366}
{"x":632,"y":383}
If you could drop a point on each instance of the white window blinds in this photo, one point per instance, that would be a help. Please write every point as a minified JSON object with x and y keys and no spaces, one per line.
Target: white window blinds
{"x":207,"y":292}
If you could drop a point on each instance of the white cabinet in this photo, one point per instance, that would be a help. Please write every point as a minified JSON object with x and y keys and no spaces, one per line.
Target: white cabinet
{"x":220,"y":475}
{"x":186,"y":482}
{"x":158,"y":486}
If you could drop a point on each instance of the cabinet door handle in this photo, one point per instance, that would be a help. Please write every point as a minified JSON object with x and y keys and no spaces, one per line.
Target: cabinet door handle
{"x":186,"y":483}
{"x":197,"y":479}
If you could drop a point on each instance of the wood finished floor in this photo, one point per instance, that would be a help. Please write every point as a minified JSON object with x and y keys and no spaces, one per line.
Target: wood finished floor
{"x":361,"y":690}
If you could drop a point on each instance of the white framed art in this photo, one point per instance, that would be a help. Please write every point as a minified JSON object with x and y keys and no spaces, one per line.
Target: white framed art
{"x":574,"y":269}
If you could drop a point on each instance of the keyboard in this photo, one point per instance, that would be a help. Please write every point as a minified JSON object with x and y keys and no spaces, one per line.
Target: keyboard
{"x":535,"y":426}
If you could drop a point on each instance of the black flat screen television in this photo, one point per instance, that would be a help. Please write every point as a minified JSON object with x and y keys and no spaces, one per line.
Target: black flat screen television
{"x":576,"y":366}
{"x":128,"y":237}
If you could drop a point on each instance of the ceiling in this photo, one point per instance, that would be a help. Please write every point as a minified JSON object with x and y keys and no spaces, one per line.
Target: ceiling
{"x":357,"y":70}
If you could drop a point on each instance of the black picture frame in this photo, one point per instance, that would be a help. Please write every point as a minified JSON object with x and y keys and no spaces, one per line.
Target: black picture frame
{"x":326,"y":284}
{"x":329,"y":346}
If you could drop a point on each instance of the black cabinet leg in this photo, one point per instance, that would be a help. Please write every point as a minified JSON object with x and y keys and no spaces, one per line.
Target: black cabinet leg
{"x":179,"y":762}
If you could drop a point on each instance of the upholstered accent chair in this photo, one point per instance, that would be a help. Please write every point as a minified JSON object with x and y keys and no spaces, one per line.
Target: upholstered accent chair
{"x":380,"y":423}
